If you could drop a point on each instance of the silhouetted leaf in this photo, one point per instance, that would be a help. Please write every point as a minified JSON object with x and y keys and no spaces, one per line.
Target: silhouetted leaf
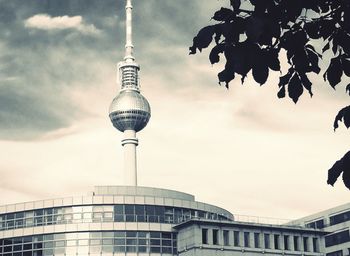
{"x":254,"y":28}
{"x":326,"y":47}
{"x":295,"y":88}
{"x":313,"y":60}
{"x":214,"y":53}
{"x":342,"y":116}
{"x":203,"y":39}
{"x":346,"y":66}
{"x":260,"y":66}
{"x":235,"y":4}
{"x":340,"y":166}
{"x":282,"y":92}
{"x":284,"y":80}
{"x":334,"y":172}
{"x":334,"y":72}
{"x":306,"y":83}
{"x":224,"y":14}
{"x":260,"y":73}
{"x":273,"y":62}
{"x":226,"y":77}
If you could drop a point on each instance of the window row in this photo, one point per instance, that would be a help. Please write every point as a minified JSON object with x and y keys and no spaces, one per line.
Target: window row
{"x":316,"y":224}
{"x":94,"y":242}
{"x":260,"y":240}
{"x":107,"y":213}
{"x":339,"y":218}
{"x":337,"y":238}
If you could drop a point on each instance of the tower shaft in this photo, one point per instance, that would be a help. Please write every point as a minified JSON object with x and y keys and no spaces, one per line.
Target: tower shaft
{"x":130,"y":143}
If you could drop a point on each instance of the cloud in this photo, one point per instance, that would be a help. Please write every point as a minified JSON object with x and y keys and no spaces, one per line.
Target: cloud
{"x":46,"y":22}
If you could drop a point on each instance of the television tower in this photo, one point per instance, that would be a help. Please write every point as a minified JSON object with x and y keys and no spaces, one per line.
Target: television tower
{"x":129,"y":110}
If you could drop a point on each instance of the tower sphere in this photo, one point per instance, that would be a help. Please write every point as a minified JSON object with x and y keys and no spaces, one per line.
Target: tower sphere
{"x":129,"y":110}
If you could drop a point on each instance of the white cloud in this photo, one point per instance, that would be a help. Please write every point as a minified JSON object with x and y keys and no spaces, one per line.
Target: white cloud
{"x":46,"y":22}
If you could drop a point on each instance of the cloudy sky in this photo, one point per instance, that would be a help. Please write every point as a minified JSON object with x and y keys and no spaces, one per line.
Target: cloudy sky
{"x":242,"y":149}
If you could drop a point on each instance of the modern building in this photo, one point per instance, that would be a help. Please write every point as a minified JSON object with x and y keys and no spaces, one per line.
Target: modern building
{"x":130,"y":220}
{"x":336,"y":221}
{"x":133,"y":220}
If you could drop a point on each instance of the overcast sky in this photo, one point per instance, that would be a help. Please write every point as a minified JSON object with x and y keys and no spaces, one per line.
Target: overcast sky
{"x":242,"y":149}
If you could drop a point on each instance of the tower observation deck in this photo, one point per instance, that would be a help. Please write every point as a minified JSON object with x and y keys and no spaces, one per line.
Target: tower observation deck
{"x":129,"y":110}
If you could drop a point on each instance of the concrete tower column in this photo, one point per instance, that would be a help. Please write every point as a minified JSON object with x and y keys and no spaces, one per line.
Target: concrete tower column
{"x":130,"y":143}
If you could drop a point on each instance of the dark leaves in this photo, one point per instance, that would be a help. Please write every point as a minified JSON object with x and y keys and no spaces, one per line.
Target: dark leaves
{"x":334,"y":72}
{"x":254,"y":28}
{"x":326,"y":47}
{"x":341,"y":166}
{"x":346,"y":66}
{"x":260,"y":66}
{"x":306,"y":83}
{"x":271,"y":57}
{"x":284,"y":80}
{"x":295,"y":88}
{"x":223,"y":14}
{"x":203,"y":39}
{"x":214,"y":53}
{"x":342,"y":116}
{"x":235,"y":4}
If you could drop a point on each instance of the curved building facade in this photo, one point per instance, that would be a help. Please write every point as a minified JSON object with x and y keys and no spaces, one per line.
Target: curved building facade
{"x":111,"y":221}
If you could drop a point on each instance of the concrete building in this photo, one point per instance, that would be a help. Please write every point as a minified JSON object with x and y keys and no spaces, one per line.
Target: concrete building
{"x":336,"y":221}
{"x":132,"y":220}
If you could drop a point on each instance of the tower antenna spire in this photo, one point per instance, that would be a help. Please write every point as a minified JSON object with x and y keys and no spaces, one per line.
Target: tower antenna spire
{"x":129,"y":47}
{"x":129,"y":110}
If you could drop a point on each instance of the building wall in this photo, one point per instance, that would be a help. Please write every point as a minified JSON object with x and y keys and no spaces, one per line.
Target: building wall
{"x":336,"y":221}
{"x":246,"y":239}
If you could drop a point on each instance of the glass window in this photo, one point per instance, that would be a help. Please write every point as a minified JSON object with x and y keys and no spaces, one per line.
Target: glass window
{"x":336,"y":253}
{"x":129,"y":209}
{"x":119,"y":234}
{"x":119,"y":209}
{"x":246,"y":239}
{"x":131,"y":234}
{"x":286,"y":242}
{"x":236,"y":238}
{"x":131,"y":241}
{"x":155,"y":249}
{"x":305,"y":243}
{"x":139,"y":209}
{"x":337,"y":238}
{"x":339,"y":218}
{"x":257,"y":240}
{"x":226,"y":237}
{"x":296,"y":243}
{"x":267,"y":241}
{"x":276,"y":239}
{"x":315,"y":245}
{"x":215,"y":236}
{"x":204,"y":236}
{"x":155,"y":242}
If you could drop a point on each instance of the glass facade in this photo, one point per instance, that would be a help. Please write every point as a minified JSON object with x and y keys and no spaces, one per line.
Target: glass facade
{"x":339,"y":218}
{"x":90,"y":243}
{"x":337,"y":238}
{"x":316,"y":224}
{"x":102,"y":213}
